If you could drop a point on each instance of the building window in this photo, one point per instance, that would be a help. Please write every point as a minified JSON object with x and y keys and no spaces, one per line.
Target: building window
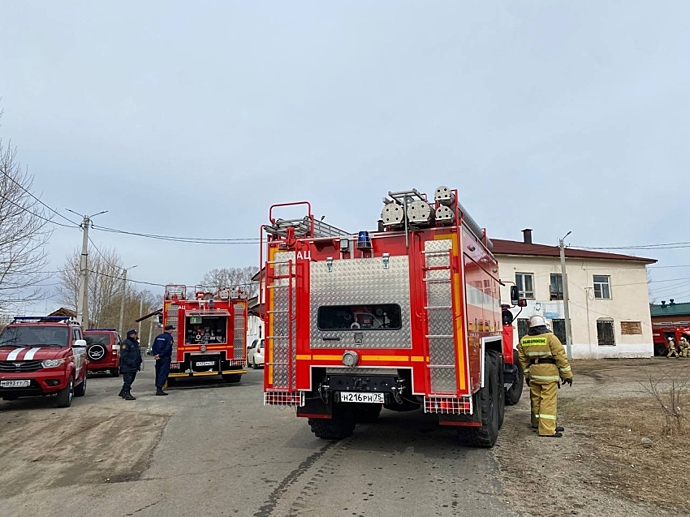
{"x":559,"y":329}
{"x":556,"y":287}
{"x":525,"y":284}
{"x":523,"y":327}
{"x":605,"y":332}
{"x":602,"y":287}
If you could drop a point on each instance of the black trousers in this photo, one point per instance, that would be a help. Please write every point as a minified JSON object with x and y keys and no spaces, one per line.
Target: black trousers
{"x":128,"y":379}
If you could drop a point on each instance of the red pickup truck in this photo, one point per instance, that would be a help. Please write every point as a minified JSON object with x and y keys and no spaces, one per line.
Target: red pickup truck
{"x":43,"y":355}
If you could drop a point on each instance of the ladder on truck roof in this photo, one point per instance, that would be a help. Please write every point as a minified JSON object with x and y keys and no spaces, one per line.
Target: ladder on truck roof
{"x":305,"y":227}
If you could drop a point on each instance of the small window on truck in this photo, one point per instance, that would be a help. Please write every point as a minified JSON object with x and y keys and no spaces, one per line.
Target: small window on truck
{"x":360,"y":317}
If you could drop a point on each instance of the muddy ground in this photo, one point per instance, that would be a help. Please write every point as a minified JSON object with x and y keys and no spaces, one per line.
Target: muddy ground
{"x":618,"y":454}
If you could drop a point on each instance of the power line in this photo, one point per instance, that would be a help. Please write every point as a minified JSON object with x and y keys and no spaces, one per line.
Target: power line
{"x":37,"y":199}
{"x":191,"y":240}
{"x":662,"y":246}
{"x":158,"y":285}
{"x":666,"y":267}
{"x":35,"y":214}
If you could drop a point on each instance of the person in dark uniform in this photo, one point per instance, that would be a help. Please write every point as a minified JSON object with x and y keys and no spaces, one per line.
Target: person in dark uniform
{"x":130,"y":363}
{"x":162,"y":353}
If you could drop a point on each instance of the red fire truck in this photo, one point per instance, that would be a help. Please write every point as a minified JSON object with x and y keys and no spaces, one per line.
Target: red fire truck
{"x":661,"y":332}
{"x":210,"y":332}
{"x":406,"y":317}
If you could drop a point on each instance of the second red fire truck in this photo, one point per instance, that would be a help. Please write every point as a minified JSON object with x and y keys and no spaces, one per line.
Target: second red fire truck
{"x":406,"y":317}
{"x":210,"y":332}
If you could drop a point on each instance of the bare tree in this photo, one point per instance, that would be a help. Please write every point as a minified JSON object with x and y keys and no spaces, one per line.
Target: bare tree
{"x":105,"y":284}
{"x":24,"y":232}
{"x":105,"y":291}
{"x":230,"y":277}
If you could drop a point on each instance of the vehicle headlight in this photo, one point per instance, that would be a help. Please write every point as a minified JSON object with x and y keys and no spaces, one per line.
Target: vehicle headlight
{"x":52,"y":363}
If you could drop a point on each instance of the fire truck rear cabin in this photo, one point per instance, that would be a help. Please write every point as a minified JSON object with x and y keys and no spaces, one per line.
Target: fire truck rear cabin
{"x":407,"y":317}
{"x":210,"y":332}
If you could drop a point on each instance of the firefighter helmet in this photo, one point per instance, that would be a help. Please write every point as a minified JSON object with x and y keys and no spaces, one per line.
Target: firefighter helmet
{"x":537,"y":321}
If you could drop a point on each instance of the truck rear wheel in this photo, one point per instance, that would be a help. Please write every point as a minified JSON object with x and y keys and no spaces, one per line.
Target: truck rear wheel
{"x":338,"y":427}
{"x":514,"y":393}
{"x":487,"y":400}
{"x":115,"y":372}
{"x":367,"y":413}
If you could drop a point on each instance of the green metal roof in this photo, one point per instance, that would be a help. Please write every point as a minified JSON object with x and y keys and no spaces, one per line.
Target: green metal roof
{"x":670,"y":309}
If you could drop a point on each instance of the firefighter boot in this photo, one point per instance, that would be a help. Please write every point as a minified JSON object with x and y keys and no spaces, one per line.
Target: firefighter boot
{"x":160,"y":392}
{"x":129,"y":396}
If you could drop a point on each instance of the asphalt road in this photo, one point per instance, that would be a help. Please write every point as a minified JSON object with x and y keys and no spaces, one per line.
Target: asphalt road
{"x":213,"y":449}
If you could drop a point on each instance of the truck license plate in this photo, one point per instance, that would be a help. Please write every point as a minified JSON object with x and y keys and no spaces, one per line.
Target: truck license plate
{"x":371,"y":398}
{"x":206,"y":363}
{"x":15,"y":384}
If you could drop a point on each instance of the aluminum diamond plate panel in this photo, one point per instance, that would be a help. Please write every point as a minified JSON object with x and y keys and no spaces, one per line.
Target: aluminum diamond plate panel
{"x":280,"y":340}
{"x":440,"y":317}
{"x":360,"y":282}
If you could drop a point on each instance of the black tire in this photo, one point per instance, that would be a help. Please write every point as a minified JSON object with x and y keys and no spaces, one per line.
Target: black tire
{"x":115,"y":372}
{"x":500,"y":390}
{"x":514,"y":393}
{"x":336,"y":428}
{"x":233,"y":378}
{"x":487,"y":401}
{"x":80,"y":391}
{"x":253,"y":364}
{"x":367,"y":413}
{"x":64,"y":398}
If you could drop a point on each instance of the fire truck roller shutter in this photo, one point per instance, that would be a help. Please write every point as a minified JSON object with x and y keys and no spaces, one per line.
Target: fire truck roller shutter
{"x":382,"y":295}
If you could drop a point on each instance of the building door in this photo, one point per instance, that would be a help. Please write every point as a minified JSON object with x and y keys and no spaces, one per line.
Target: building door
{"x":559,"y":329}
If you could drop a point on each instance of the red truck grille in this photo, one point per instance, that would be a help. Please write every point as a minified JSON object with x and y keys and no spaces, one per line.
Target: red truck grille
{"x":19,"y":366}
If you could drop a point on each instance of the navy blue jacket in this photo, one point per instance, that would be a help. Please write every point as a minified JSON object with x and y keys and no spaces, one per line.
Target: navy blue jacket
{"x":162,"y":346}
{"x":130,"y":356}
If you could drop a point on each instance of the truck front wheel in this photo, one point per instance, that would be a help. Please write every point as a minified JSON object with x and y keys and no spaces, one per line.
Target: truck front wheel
{"x":64,"y":398}
{"x":514,"y":393}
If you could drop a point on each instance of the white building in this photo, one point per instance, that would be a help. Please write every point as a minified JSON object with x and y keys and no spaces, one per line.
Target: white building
{"x":609,"y":300}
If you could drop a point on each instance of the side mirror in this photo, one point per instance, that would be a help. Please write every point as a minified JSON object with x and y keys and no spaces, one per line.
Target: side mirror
{"x":81,"y":343}
{"x":515,"y":295}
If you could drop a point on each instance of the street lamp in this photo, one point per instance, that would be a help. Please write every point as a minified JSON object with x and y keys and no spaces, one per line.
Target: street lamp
{"x":566,"y":300}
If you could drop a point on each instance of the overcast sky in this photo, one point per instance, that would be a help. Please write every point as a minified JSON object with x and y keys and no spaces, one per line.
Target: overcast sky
{"x":191,"y":118}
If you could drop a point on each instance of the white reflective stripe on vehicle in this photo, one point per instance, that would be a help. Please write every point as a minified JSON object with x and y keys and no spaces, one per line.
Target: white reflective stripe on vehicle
{"x":14,"y":353}
{"x":116,"y":347}
{"x":31,"y":353}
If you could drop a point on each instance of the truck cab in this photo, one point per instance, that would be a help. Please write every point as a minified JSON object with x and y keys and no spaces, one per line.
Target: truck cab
{"x":43,"y":355}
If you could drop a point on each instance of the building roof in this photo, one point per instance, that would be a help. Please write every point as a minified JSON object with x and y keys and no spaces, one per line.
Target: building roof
{"x":669,"y":309}
{"x":63,"y":311}
{"x":504,"y":247}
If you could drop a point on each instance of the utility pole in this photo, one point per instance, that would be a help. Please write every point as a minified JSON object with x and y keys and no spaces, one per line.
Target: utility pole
{"x":83,"y":298}
{"x":83,"y":295}
{"x":122,"y":300}
{"x":141,"y":309}
{"x":566,"y":300}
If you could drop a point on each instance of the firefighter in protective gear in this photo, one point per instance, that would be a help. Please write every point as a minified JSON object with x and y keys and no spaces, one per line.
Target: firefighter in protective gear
{"x":684,"y":347}
{"x":672,"y":352}
{"x":545,"y":364}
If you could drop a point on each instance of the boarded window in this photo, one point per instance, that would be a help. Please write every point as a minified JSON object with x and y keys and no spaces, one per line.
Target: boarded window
{"x":631,"y":328}
{"x":559,"y":329}
{"x":523,"y":327}
{"x":606,"y":334}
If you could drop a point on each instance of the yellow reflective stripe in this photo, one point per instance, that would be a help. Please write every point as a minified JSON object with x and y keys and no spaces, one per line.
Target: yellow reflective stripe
{"x":547,"y":417}
{"x":546,"y":377}
{"x":540,"y":353}
{"x":526,"y":370}
{"x":566,"y":369}
{"x":535,"y":341}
